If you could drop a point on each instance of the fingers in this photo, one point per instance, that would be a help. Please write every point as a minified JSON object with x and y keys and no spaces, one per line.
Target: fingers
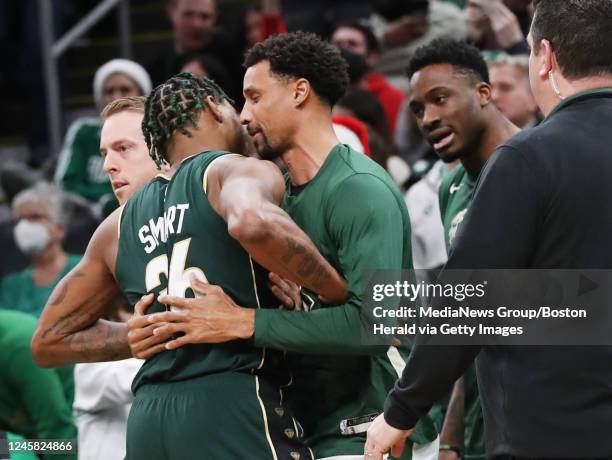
{"x":137,"y":322}
{"x":147,"y":354}
{"x":144,"y":344}
{"x":141,"y":333}
{"x":167,"y":317}
{"x":145,"y":302}
{"x":202,"y":287}
{"x":398,"y":448}
{"x":168,"y":330}
{"x":179,"y":342}
{"x":179,"y":302}
{"x":287,"y":302}
{"x":198,"y":286}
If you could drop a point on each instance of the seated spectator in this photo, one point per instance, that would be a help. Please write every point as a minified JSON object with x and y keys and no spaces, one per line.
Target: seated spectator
{"x":364,"y":106}
{"x":33,"y":401}
{"x":511,"y":91}
{"x":41,"y":224}
{"x":492,"y":26}
{"x":79,"y":169}
{"x":401,"y":26}
{"x":194,"y":24}
{"x":359,"y":39}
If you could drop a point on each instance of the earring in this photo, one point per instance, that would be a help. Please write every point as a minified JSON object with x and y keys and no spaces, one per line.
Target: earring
{"x":553,"y":84}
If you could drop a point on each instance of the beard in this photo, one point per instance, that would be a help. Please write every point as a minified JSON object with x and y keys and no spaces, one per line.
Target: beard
{"x":265,"y":150}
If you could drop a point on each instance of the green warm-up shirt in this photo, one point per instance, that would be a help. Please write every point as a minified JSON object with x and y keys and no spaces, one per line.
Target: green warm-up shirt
{"x":357,"y":218}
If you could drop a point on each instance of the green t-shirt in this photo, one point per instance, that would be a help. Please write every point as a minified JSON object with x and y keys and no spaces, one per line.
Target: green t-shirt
{"x":456,"y":193}
{"x":33,"y":401}
{"x":80,"y":167}
{"x":357,"y":218}
{"x":18,"y":291}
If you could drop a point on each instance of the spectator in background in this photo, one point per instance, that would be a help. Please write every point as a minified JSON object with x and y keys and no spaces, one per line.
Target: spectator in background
{"x":511,"y":91}
{"x":321,"y":16}
{"x":364,"y":106}
{"x":523,"y":10}
{"x":33,"y":401}
{"x":491,"y":25}
{"x":41,"y":224}
{"x":42,"y":219}
{"x":80,"y":166}
{"x":195,"y":27}
{"x":262,"y":19}
{"x":401,"y":26}
{"x":205,"y":65}
{"x":359,"y":39}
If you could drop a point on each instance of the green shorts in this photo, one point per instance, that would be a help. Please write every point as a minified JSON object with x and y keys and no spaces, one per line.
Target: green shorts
{"x":219,"y":417}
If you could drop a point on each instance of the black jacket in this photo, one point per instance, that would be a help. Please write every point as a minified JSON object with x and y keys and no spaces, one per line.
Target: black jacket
{"x":544,"y":201}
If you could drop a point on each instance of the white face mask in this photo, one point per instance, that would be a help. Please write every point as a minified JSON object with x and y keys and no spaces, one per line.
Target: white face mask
{"x":31,"y":237}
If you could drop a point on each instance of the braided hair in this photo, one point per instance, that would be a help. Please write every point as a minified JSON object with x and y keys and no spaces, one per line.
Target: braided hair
{"x":174,"y":105}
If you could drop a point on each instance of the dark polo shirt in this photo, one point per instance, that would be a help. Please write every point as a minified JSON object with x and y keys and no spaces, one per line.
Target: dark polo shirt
{"x":544,"y":201}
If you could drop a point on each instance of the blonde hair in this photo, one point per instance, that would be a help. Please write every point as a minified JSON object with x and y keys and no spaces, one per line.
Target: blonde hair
{"x":133,"y":103}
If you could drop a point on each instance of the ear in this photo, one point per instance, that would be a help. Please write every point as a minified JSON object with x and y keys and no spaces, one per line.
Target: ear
{"x":484,"y":93}
{"x":214,"y":109}
{"x":545,"y":59}
{"x":301,"y":91}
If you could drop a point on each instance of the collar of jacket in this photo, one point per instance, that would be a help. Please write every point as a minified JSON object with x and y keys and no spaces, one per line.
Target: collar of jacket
{"x":597,"y":92}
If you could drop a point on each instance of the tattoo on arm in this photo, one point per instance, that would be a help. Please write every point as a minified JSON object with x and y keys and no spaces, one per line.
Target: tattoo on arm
{"x":294,"y":248}
{"x":309,"y":266}
{"x":104,"y":341}
{"x":61,"y":295}
{"x":81,"y":316}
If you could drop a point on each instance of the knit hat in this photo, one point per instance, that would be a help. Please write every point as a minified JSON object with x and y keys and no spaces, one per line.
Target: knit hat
{"x":130,"y":68}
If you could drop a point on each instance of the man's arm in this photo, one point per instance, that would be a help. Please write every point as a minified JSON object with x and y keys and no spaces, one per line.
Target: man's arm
{"x":499,"y":231}
{"x":247,"y":193}
{"x":368,"y":237}
{"x":70,"y":329}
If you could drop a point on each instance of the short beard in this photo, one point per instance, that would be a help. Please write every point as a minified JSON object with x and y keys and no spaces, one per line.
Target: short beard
{"x":268,"y":153}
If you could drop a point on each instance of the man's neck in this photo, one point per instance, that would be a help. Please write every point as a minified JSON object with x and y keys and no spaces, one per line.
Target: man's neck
{"x":311,"y":146}
{"x":571,"y":88}
{"x":186,"y":147}
{"x":497,"y":131}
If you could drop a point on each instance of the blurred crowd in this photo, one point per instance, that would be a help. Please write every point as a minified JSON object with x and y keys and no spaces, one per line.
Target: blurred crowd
{"x":52,"y":205}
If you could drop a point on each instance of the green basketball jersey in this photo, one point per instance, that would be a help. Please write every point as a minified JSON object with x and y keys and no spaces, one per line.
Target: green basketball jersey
{"x":196,"y":241}
{"x":357,"y":218}
{"x":456,"y":193}
{"x":141,"y":246}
